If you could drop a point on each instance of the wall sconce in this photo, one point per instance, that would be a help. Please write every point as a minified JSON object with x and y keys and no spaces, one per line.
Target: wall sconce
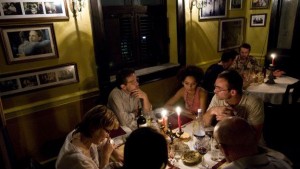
{"x":76,"y":6}
{"x":198,"y":3}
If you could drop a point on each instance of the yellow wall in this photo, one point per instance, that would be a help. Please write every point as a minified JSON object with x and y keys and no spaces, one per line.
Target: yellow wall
{"x":202,"y":37}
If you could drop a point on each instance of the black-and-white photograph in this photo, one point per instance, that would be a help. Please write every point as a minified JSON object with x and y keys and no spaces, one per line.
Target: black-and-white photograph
{"x":31,"y":80}
{"x":259,"y":4}
{"x":236,"y":4}
{"x":29,"y":43}
{"x":213,"y":9}
{"x":231,"y":33}
{"x":11,"y":8}
{"x":258,"y":20}
{"x":33,"y":10}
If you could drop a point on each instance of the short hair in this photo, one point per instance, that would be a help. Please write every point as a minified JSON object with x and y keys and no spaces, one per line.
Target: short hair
{"x":190,"y":70}
{"x":227,"y":55}
{"x":246,"y":45}
{"x":97,"y":117}
{"x":235,"y":131}
{"x":122,"y":75}
{"x":145,"y":148}
{"x":234,"y":79}
{"x":39,"y":33}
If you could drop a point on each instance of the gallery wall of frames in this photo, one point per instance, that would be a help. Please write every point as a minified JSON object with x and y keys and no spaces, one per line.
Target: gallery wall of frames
{"x":27,"y":35}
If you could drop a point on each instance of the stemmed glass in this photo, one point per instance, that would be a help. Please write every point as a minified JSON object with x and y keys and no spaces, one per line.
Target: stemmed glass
{"x":202,"y":145}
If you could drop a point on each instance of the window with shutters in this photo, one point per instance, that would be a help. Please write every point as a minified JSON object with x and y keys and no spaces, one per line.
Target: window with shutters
{"x":136,"y":35}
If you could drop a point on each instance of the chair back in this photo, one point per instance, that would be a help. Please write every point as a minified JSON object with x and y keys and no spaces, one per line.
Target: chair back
{"x":295,"y":93}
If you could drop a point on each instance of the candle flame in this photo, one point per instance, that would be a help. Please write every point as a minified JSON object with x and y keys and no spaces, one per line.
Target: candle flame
{"x":164,"y":113}
{"x":178,"y":110}
{"x":273,"y":55}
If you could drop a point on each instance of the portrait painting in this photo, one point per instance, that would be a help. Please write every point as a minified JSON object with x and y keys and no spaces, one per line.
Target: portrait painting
{"x":29,"y":43}
{"x":258,"y":20}
{"x":213,"y":9}
{"x":11,"y":8}
{"x":259,"y":4}
{"x":236,"y":4}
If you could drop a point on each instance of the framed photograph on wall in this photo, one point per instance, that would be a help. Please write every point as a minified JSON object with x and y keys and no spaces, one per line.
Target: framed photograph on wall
{"x":236,"y":4}
{"x":38,"y":79}
{"x":258,"y":20}
{"x":231,"y":33}
{"x":212,"y":9}
{"x":29,"y":43}
{"x":260,"y":4}
{"x":33,"y":10}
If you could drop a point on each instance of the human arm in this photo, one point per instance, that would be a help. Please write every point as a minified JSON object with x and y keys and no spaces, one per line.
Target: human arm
{"x":105,"y":150}
{"x":278,"y":73}
{"x":174,"y":99}
{"x":121,"y":104}
{"x":203,"y":100}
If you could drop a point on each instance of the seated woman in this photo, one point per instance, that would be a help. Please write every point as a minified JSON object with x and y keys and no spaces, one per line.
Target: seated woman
{"x":195,"y":97}
{"x":88,"y":146}
{"x":145,"y":148}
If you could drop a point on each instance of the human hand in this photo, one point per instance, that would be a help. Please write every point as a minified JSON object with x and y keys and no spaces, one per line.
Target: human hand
{"x":138,"y":93}
{"x":107,"y":147}
{"x":222,"y":112}
{"x":278,"y":73}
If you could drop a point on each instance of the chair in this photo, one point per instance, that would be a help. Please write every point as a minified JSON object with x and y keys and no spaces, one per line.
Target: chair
{"x":295,"y":93}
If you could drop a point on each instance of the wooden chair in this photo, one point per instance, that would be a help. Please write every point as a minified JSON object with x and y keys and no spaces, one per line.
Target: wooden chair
{"x":295,"y":93}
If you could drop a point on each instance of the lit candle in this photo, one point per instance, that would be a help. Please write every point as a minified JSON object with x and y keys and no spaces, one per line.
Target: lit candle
{"x":273,"y":57}
{"x":178,"y":111}
{"x":163,"y":115}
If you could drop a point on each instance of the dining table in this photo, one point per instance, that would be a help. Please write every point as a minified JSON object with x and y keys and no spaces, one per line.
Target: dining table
{"x":272,"y":93}
{"x":120,"y":135}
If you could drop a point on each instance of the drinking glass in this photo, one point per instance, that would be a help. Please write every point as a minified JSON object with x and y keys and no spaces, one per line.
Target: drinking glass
{"x":202,"y":145}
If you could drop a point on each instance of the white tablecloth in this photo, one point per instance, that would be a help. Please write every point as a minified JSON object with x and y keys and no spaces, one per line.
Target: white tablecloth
{"x":272,"y":93}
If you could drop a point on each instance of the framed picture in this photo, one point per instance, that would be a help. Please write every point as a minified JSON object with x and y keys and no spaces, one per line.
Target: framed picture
{"x":33,"y":10}
{"x":259,"y":4}
{"x":29,"y":42}
{"x":236,"y":4}
{"x":231,"y":33}
{"x":258,"y":20}
{"x":38,"y":79}
{"x":212,"y":9}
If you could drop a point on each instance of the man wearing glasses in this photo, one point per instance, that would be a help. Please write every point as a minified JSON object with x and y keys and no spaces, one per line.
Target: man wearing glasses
{"x":127,"y":97}
{"x":230,"y":100}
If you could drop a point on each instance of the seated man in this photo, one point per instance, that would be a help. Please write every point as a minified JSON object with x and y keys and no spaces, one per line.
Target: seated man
{"x":126,"y":98}
{"x":212,"y":72}
{"x":237,"y":141}
{"x":230,"y":100}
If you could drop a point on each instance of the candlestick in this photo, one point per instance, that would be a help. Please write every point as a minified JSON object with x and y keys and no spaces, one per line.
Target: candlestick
{"x":178,"y":111}
{"x":273,"y":57}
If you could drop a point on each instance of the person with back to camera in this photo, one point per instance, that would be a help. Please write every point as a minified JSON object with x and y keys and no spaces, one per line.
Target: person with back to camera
{"x":89,"y":145}
{"x":35,"y":44}
{"x":145,"y":148}
{"x":237,"y":141}
{"x":126,"y":98}
{"x":194,"y":96}
{"x":230,"y":100}
{"x":212,"y":71}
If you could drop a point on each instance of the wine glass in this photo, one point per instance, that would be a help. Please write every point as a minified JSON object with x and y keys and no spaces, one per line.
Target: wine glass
{"x":202,"y":145}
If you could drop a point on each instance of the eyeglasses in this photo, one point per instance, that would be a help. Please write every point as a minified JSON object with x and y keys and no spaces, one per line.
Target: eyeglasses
{"x":219,"y":89}
{"x":134,"y":81}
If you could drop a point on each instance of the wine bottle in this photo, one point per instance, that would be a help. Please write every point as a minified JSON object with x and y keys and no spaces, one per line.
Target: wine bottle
{"x":141,"y":120}
{"x":198,"y":130}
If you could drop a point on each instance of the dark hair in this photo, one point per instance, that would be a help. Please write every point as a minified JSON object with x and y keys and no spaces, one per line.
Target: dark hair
{"x":145,"y":148}
{"x":122,"y":75}
{"x":227,"y":55}
{"x":190,"y":70}
{"x":98,"y":117}
{"x":245,"y":45}
{"x":234,"y":79}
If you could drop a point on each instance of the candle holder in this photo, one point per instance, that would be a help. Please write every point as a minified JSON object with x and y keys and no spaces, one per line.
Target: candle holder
{"x":271,"y":76}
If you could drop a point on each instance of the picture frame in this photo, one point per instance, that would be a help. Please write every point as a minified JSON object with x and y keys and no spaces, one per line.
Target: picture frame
{"x":236,"y":5}
{"x":29,"y":43}
{"x":211,"y":11}
{"x":231,"y":33}
{"x":258,"y":20}
{"x":33,"y":10}
{"x":38,"y":79}
{"x":259,"y":4}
